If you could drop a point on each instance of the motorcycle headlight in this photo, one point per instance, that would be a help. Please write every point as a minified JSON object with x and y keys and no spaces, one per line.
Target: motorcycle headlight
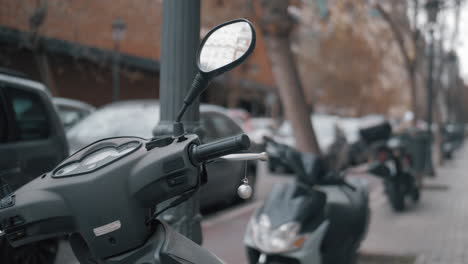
{"x":96,"y":160}
{"x":282,"y":239}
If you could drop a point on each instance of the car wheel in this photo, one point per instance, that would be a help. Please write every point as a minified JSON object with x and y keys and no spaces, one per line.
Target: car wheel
{"x":42,"y":252}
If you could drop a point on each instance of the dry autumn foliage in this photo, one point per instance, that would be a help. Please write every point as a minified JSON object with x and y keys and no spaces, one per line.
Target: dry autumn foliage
{"x":352,"y":65}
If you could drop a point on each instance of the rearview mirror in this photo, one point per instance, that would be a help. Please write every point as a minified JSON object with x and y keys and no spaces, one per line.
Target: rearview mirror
{"x":225,"y":47}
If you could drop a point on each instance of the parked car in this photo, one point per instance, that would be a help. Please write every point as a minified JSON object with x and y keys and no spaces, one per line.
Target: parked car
{"x":241,"y":116}
{"x":32,"y":142}
{"x":261,"y":126}
{"x":324,"y":126}
{"x":139,"y":117}
{"x":71,"y":111}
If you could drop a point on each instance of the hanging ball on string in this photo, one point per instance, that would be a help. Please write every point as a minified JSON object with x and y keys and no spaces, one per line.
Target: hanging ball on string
{"x":244,"y":191}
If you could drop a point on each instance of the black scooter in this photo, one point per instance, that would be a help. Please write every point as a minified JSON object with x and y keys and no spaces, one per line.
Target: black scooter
{"x":318,"y":218}
{"x":103,"y":196}
{"x":392,"y":163}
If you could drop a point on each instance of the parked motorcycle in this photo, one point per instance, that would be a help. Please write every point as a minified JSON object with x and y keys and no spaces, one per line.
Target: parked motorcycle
{"x":318,"y":218}
{"x":452,"y":139}
{"x":103,"y":196}
{"x":393,"y":164}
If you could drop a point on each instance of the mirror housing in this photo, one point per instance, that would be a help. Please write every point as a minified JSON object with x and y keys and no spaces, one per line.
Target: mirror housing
{"x":239,"y":30}
{"x":205,"y":75}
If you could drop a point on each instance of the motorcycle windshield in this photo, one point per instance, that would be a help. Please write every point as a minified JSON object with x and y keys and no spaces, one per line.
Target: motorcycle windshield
{"x":293,"y":202}
{"x":308,"y":167}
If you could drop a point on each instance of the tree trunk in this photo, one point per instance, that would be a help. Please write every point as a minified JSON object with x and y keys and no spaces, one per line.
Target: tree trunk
{"x":277,"y":26}
{"x":291,"y":93}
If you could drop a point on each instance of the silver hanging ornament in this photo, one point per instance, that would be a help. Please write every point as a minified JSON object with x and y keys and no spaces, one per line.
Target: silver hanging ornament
{"x":245,"y":190}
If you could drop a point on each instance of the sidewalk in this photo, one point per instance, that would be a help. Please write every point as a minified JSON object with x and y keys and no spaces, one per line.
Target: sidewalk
{"x":435,"y":231}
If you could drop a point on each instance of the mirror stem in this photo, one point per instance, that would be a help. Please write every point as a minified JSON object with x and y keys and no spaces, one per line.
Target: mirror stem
{"x":178,"y":129}
{"x":199,"y":84}
{"x":181,"y":112}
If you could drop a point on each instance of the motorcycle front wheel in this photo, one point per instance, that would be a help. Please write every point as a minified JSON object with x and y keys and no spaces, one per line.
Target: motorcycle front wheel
{"x":396,"y":196}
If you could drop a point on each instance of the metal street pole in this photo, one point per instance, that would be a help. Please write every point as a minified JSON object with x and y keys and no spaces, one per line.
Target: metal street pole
{"x":429,"y":168}
{"x":432,"y":7}
{"x":116,"y":73}
{"x":179,"y":40}
{"x":118,"y":31}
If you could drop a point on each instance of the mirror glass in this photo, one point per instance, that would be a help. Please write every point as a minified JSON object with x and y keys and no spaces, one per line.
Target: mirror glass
{"x":225,"y":45}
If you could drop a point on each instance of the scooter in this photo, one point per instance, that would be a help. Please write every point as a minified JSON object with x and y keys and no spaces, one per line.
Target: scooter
{"x":452,"y":138}
{"x":393,"y":164}
{"x":318,"y":218}
{"x":103,"y":196}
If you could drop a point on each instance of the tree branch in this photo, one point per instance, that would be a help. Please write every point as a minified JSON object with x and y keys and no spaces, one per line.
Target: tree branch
{"x":398,"y":37}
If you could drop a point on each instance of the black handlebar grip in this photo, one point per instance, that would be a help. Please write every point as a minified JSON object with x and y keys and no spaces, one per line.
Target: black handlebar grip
{"x":220,"y":148}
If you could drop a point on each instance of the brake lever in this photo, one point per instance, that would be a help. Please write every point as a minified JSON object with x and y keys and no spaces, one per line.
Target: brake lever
{"x":263,"y":156}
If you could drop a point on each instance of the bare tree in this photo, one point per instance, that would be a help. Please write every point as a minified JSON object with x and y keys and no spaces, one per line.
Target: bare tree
{"x":277,"y":25}
{"x":411,"y":51}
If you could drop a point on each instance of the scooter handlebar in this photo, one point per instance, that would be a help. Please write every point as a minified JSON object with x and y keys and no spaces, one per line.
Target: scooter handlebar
{"x":216,"y":149}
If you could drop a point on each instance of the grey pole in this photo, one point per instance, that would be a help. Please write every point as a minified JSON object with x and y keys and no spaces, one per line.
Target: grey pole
{"x":180,"y":39}
{"x":430,"y":83}
{"x":116,"y":73}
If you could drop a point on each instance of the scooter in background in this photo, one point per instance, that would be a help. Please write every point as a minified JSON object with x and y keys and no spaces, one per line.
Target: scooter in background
{"x":393,"y":164}
{"x":318,"y":218}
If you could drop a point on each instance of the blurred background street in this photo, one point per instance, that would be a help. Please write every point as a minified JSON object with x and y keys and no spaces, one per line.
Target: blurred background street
{"x":333,"y":91}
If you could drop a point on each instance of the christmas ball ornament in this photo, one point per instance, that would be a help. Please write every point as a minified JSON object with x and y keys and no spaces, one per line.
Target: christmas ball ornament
{"x":244,"y":191}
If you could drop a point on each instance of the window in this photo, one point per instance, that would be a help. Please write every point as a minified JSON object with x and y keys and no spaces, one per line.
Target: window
{"x":209,"y":134}
{"x":30,"y":115}
{"x":69,"y":115}
{"x":224,"y":126}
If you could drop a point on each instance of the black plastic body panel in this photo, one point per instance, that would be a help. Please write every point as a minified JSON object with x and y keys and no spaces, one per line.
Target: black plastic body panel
{"x":165,"y":246}
{"x":294,"y":202}
{"x":108,"y":207}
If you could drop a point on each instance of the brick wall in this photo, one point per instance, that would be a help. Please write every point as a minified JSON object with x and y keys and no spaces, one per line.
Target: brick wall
{"x":89,"y":22}
{"x":82,"y":79}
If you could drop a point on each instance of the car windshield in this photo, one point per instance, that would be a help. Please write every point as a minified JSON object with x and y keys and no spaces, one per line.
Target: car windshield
{"x":130,"y":119}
